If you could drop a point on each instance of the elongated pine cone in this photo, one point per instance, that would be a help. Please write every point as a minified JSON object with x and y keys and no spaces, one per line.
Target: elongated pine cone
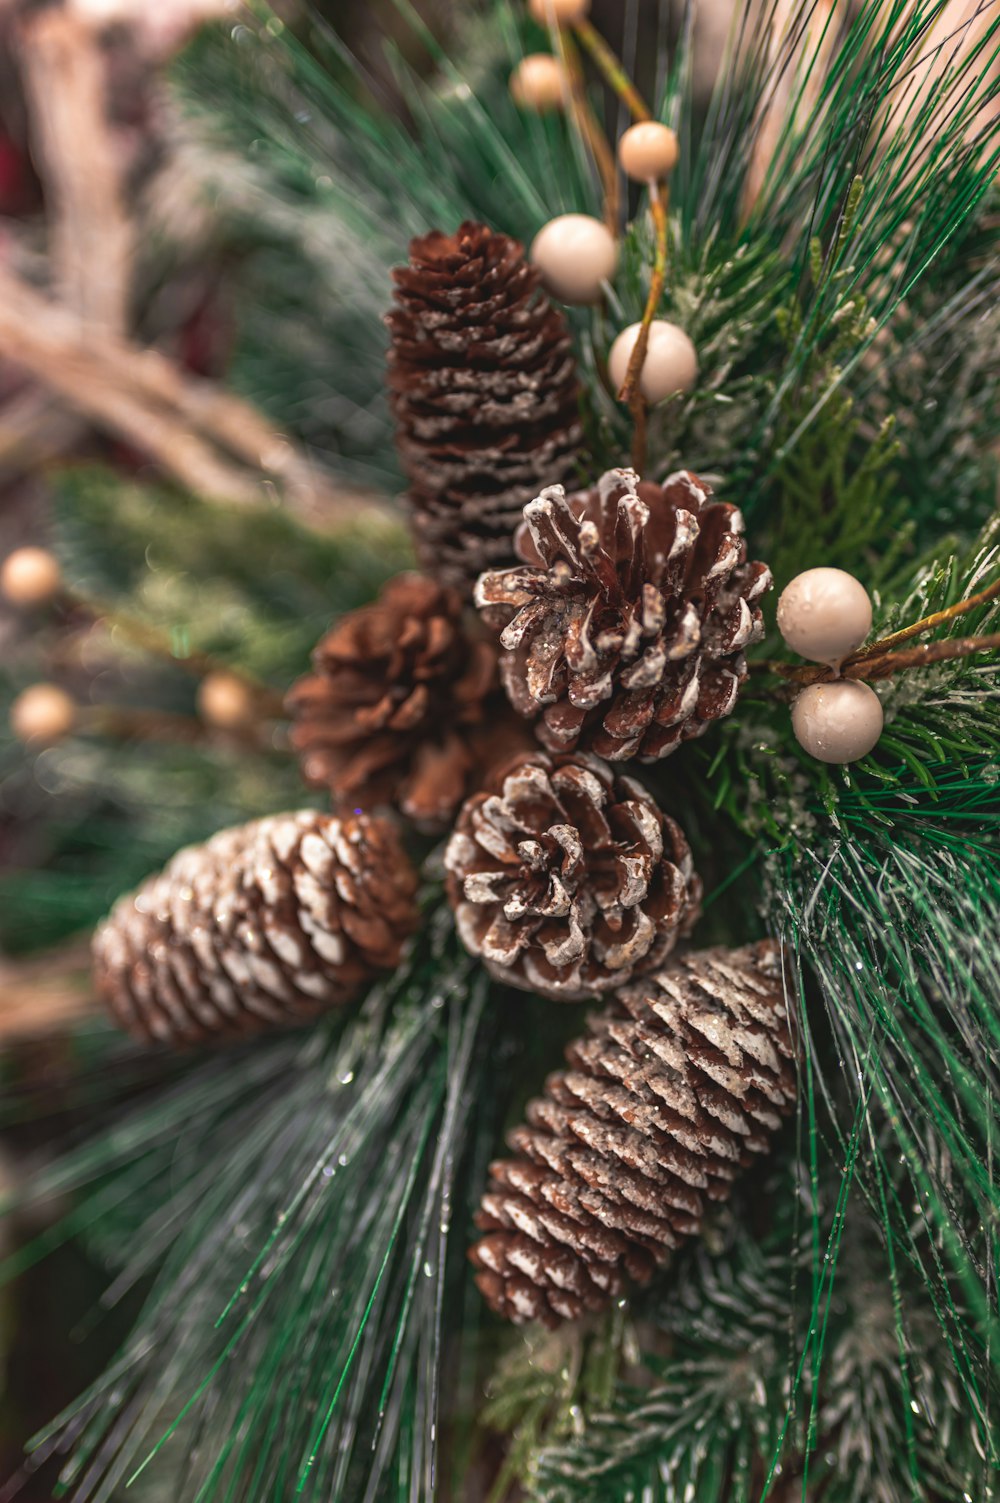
{"x":265,"y":925}
{"x":567,"y":878}
{"x":672,"y":1090}
{"x":483,"y":386}
{"x":625,"y":625}
{"x":404,"y":704}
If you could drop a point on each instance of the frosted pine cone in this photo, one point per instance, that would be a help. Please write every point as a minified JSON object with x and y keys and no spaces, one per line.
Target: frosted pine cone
{"x":624,"y":628}
{"x":483,"y":386}
{"x":567,"y":879}
{"x":404,"y":703}
{"x":672,"y":1090}
{"x":265,"y":925}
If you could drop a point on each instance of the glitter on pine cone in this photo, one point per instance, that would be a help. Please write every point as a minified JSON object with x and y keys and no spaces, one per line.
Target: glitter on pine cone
{"x":483,"y":386}
{"x":404,"y":704}
{"x":567,"y":879}
{"x":625,"y":625}
{"x":266,"y":925}
{"x":670,"y":1093}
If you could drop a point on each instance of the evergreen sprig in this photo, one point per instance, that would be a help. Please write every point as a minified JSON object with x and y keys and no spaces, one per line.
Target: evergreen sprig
{"x":295,"y":1334}
{"x":730,"y":1409}
{"x":298,"y":1200}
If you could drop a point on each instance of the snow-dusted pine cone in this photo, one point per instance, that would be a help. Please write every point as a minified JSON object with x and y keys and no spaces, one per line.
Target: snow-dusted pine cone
{"x":404,"y":704}
{"x":483,"y":386}
{"x":265,"y":925}
{"x":567,"y":879}
{"x":625,"y":625}
{"x":670,"y":1092}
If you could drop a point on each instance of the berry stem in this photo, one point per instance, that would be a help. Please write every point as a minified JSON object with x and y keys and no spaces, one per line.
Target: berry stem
{"x":878,"y":660}
{"x":659,"y":195}
{"x":126,"y":724}
{"x":961,"y":608}
{"x":590,"y":130}
{"x":609,"y":65}
{"x":917,"y":657}
{"x":883,"y":664}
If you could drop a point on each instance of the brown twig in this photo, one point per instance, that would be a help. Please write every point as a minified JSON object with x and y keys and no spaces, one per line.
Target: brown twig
{"x":919,"y":657}
{"x":618,"y":80}
{"x":884,"y":664}
{"x":121,"y":724}
{"x":142,"y":397}
{"x":159,"y":644}
{"x":638,"y":410}
{"x":90,"y":233}
{"x":928,"y":623}
{"x":658,"y":201}
{"x":879,"y":660}
{"x":45,"y":993}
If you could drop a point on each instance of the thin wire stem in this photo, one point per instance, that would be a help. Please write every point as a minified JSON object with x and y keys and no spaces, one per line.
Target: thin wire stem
{"x":886,"y":663}
{"x":659,"y":197}
{"x":961,"y":608}
{"x":590,"y":130}
{"x":618,"y":80}
{"x":612,"y":70}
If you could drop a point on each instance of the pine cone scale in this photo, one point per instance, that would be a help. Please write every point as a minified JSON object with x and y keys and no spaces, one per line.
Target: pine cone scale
{"x":403,"y":704}
{"x":483,"y":387}
{"x":623,"y":628}
{"x":637,"y":1135}
{"x":566,"y":879}
{"x":273,"y":922}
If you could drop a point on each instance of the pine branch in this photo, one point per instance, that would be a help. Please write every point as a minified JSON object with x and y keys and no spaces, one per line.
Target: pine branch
{"x":304,"y":1252}
{"x":730,"y":1396}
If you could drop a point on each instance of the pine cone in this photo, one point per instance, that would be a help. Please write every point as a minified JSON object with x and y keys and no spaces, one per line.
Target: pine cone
{"x":624,"y":627}
{"x":483,"y":386}
{"x":404,"y":704}
{"x":567,"y":879}
{"x":265,"y":925}
{"x":669,"y":1094}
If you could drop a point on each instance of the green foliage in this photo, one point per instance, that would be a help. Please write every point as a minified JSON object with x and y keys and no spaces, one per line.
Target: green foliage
{"x":113,"y":816}
{"x":748,"y":1361}
{"x":298,"y":1199}
{"x":304,"y":1328}
{"x":250,"y":586}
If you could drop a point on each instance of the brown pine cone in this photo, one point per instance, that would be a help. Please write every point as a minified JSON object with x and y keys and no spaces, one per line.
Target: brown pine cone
{"x":483,"y":386}
{"x":404,"y":705}
{"x":669,"y":1094}
{"x":625,"y":625}
{"x":265,"y":925}
{"x":566,"y":878}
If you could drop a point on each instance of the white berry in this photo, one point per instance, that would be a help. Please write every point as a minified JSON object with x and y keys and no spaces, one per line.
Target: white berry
{"x":538,"y":82}
{"x":558,"y":12}
{"x":43,"y":714}
{"x":671,"y":363}
{"x":648,"y":151}
{"x":30,"y":576}
{"x":225,"y":701}
{"x":824,"y":614}
{"x":576,"y":255}
{"x":837,"y":722}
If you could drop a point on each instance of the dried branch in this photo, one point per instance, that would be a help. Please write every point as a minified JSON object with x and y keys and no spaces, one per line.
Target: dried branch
{"x":46,"y":993}
{"x":90,"y":233}
{"x":142,"y":397}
